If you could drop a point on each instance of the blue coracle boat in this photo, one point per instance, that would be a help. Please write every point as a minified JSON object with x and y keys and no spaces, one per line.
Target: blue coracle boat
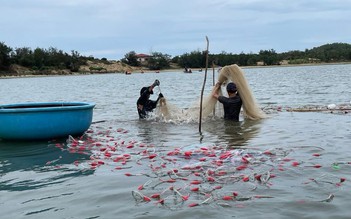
{"x":44,"y":120}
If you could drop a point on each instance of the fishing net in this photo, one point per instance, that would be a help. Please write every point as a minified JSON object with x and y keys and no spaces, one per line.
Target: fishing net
{"x":171,"y":113}
{"x":210,"y":174}
{"x":251,"y":109}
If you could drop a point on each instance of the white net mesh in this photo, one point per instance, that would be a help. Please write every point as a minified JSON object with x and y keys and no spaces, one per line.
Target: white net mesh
{"x":171,"y":113}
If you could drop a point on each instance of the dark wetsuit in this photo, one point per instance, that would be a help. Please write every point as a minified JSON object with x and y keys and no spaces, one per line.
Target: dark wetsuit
{"x":231,"y":106}
{"x":148,"y":105}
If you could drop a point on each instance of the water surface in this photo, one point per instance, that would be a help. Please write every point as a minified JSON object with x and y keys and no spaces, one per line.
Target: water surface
{"x":52,"y":179}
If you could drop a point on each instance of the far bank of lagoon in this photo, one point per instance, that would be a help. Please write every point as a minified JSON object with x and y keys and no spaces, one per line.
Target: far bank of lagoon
{"x":7,"y":75}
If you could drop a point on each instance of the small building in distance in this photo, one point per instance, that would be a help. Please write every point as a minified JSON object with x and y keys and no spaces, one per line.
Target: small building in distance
{"x":143,"y":58}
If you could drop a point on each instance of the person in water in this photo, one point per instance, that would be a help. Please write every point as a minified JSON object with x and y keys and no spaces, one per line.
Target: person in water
{"x":232,"y":104}
{"x":144,"y":104}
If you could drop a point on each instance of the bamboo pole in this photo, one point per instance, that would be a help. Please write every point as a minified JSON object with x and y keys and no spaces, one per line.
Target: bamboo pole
{"x":213,"y":84}
{"x":213,"y":74}
{"x":203,"y":86}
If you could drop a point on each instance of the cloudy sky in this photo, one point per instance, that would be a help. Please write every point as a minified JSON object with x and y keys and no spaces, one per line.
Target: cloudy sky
{"x":112,"y":28}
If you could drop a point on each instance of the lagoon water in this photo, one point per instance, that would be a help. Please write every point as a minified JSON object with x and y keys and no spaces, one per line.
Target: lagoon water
{"x":51,"y":179}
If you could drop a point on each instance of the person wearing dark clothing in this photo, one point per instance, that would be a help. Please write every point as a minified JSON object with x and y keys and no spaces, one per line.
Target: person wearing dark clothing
{"x":232,"y":104}
{"x":144,"y":104}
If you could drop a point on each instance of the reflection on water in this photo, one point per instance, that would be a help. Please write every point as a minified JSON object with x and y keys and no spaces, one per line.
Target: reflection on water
{"x":36,"y":164}
{"x":234,"y":134}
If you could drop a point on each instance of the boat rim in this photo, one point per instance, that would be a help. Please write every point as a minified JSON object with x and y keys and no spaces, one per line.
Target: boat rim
{"x":45,"y":106}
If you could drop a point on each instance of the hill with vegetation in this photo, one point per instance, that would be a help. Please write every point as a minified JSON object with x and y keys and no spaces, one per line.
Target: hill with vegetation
{"x":25,"y":61}
{"x":329,"y":53}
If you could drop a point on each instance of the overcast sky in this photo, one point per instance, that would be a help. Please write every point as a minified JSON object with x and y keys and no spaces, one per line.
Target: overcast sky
{"x":112,"y":28}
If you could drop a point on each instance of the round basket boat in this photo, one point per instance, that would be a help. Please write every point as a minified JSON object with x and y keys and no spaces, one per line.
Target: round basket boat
{"x":44,"y":120}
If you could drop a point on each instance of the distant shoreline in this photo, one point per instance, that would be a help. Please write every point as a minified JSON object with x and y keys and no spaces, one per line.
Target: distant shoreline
{"x":9,"y":76}
{"x":297,"y":65}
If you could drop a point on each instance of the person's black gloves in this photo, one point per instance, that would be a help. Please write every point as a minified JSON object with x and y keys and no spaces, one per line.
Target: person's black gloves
{"x":156,"y":83}
{"x":160,"y":95}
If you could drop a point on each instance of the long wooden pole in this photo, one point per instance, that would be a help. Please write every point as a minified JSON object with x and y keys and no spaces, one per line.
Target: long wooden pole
{"x":213,"y":83}
{"x":203,"y":86}
{"x":213,"y":74}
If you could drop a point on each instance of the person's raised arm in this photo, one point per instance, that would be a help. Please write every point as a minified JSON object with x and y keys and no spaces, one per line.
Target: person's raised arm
{"x":156,"y":83}
{"x":215,"y":90}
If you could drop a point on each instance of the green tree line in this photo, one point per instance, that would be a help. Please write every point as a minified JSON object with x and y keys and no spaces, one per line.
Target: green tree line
{"x":336,"y":52}
{"x":43,"y":59}
{"x":40,"y":59}
{"x":156,"y":61}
